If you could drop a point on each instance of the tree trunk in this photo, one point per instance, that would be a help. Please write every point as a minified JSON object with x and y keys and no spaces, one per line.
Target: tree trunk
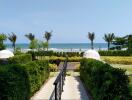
{"x":92,"y":45}
{"x":47,"y":45}
{"x":14,"y":46}
{"x":108,"y":45}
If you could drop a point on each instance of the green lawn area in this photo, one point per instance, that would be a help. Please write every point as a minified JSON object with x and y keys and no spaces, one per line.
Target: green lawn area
{"x":126,"y":60}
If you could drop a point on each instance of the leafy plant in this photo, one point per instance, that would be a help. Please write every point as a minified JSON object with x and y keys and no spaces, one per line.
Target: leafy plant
{"x":104,"y":81}
{"x":53,"y":67}
{"x":47,"y":36}
{"x":109,"y":38}
{"x":21,"y":81}
{"x":3,"y":37}
{"x":91,"y":36}
{"x":12,"y":37}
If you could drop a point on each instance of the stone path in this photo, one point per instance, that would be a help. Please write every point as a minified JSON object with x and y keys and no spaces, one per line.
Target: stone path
{"x":73,"y":89}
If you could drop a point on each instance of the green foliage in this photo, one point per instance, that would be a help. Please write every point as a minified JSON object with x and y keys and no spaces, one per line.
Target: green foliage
{"x":12,"y":37}
{"x":3,"y":37}
{"x":130,"y":43}
{"x":53,"y":67}
{"x":58,"y":54}
{"x":41,"y":53}
{"x":70,"y":59}
{"x":18,"y":51}
{"x":91,"y":36}
{"x":21,"y":81}
{"x":22,"y":59}
{"x":114,"y":53}
{"x":109,"y":38}
{"x":33,"y":44}
{"x":13,"y":83}
{"x":47,"y":35}
{"x":104,"y":81}
{"x":30,"y":36}
{"x":119,"y":41}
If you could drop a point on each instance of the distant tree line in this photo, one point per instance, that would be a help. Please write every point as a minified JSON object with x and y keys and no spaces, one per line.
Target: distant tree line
{"x":34,"y":43}
{"x":110,"y":38}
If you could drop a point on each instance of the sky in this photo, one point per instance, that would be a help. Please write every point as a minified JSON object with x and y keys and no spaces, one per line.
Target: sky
{"x":70,"y":20}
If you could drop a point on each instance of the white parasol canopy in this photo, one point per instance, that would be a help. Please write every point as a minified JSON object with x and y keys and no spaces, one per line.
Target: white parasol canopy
{"x":5,"y":54}
{"x":91,"y":54}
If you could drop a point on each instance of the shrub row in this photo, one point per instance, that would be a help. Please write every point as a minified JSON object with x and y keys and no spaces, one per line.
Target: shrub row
{"x":53,"y":59}
{"x":19,"y":82}
{"x":78,"y":54}
{"x":51,"y":53}
{"x":114,"y":53}
{"x":104,"y":81}
{"x":22,"y":59}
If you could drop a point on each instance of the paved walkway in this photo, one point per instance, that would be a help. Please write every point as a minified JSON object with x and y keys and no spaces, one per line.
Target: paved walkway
{"x":46,"y":90}
{"x":73,"y":89}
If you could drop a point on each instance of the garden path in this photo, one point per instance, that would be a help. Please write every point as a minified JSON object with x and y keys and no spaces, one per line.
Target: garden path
{"x":73,"y":88}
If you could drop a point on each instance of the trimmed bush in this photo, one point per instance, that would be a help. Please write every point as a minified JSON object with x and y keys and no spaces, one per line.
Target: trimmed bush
{"x":21,"y":81}
{"x":53,"y":67}
{"x":51,"y":53}
{"x":114,"y":53}
{"x":104,"y":81}
{"x":22,"y":59}
{"x":70,"y":59}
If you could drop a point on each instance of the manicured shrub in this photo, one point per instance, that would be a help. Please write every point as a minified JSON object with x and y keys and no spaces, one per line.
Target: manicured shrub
{"x":53,"y":67}
{"x":22,"y":59}
{"x":51,"y":53}
{"x":114,"y":53}
{"x":53,"y":59}
{"x":21,"y":81}
{"x":74,"y":59}
{"x":104,"y":81}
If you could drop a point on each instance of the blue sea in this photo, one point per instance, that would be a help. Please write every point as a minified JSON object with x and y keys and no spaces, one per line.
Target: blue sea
{"x":65,"y":45}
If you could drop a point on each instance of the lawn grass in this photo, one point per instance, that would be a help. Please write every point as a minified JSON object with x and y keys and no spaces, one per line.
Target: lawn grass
{"x":126,"y":60}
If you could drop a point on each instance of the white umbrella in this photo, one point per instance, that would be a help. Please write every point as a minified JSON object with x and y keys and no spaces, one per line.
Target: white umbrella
{"x":5,"y":54}
{"x":91,"y":54}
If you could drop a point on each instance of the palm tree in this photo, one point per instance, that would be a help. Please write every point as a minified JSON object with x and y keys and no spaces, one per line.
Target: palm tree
{"x":12,"y":37}
{"x":3,"y":37}
{"x":47,"y":36}
{"x":91,"y":36}
{"x":109,"y":38}
{"x":30,"y":36}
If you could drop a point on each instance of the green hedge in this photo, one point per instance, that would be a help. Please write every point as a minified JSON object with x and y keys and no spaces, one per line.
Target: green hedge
{"x":21,"y":81}
{"x":104,"y":81}
{"x":114,"y":53}
{"x":51,"y":53}
{"x":22,"y":59}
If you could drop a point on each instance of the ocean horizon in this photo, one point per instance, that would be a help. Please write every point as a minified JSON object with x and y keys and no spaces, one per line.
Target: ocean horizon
{"x":64,"y":45}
